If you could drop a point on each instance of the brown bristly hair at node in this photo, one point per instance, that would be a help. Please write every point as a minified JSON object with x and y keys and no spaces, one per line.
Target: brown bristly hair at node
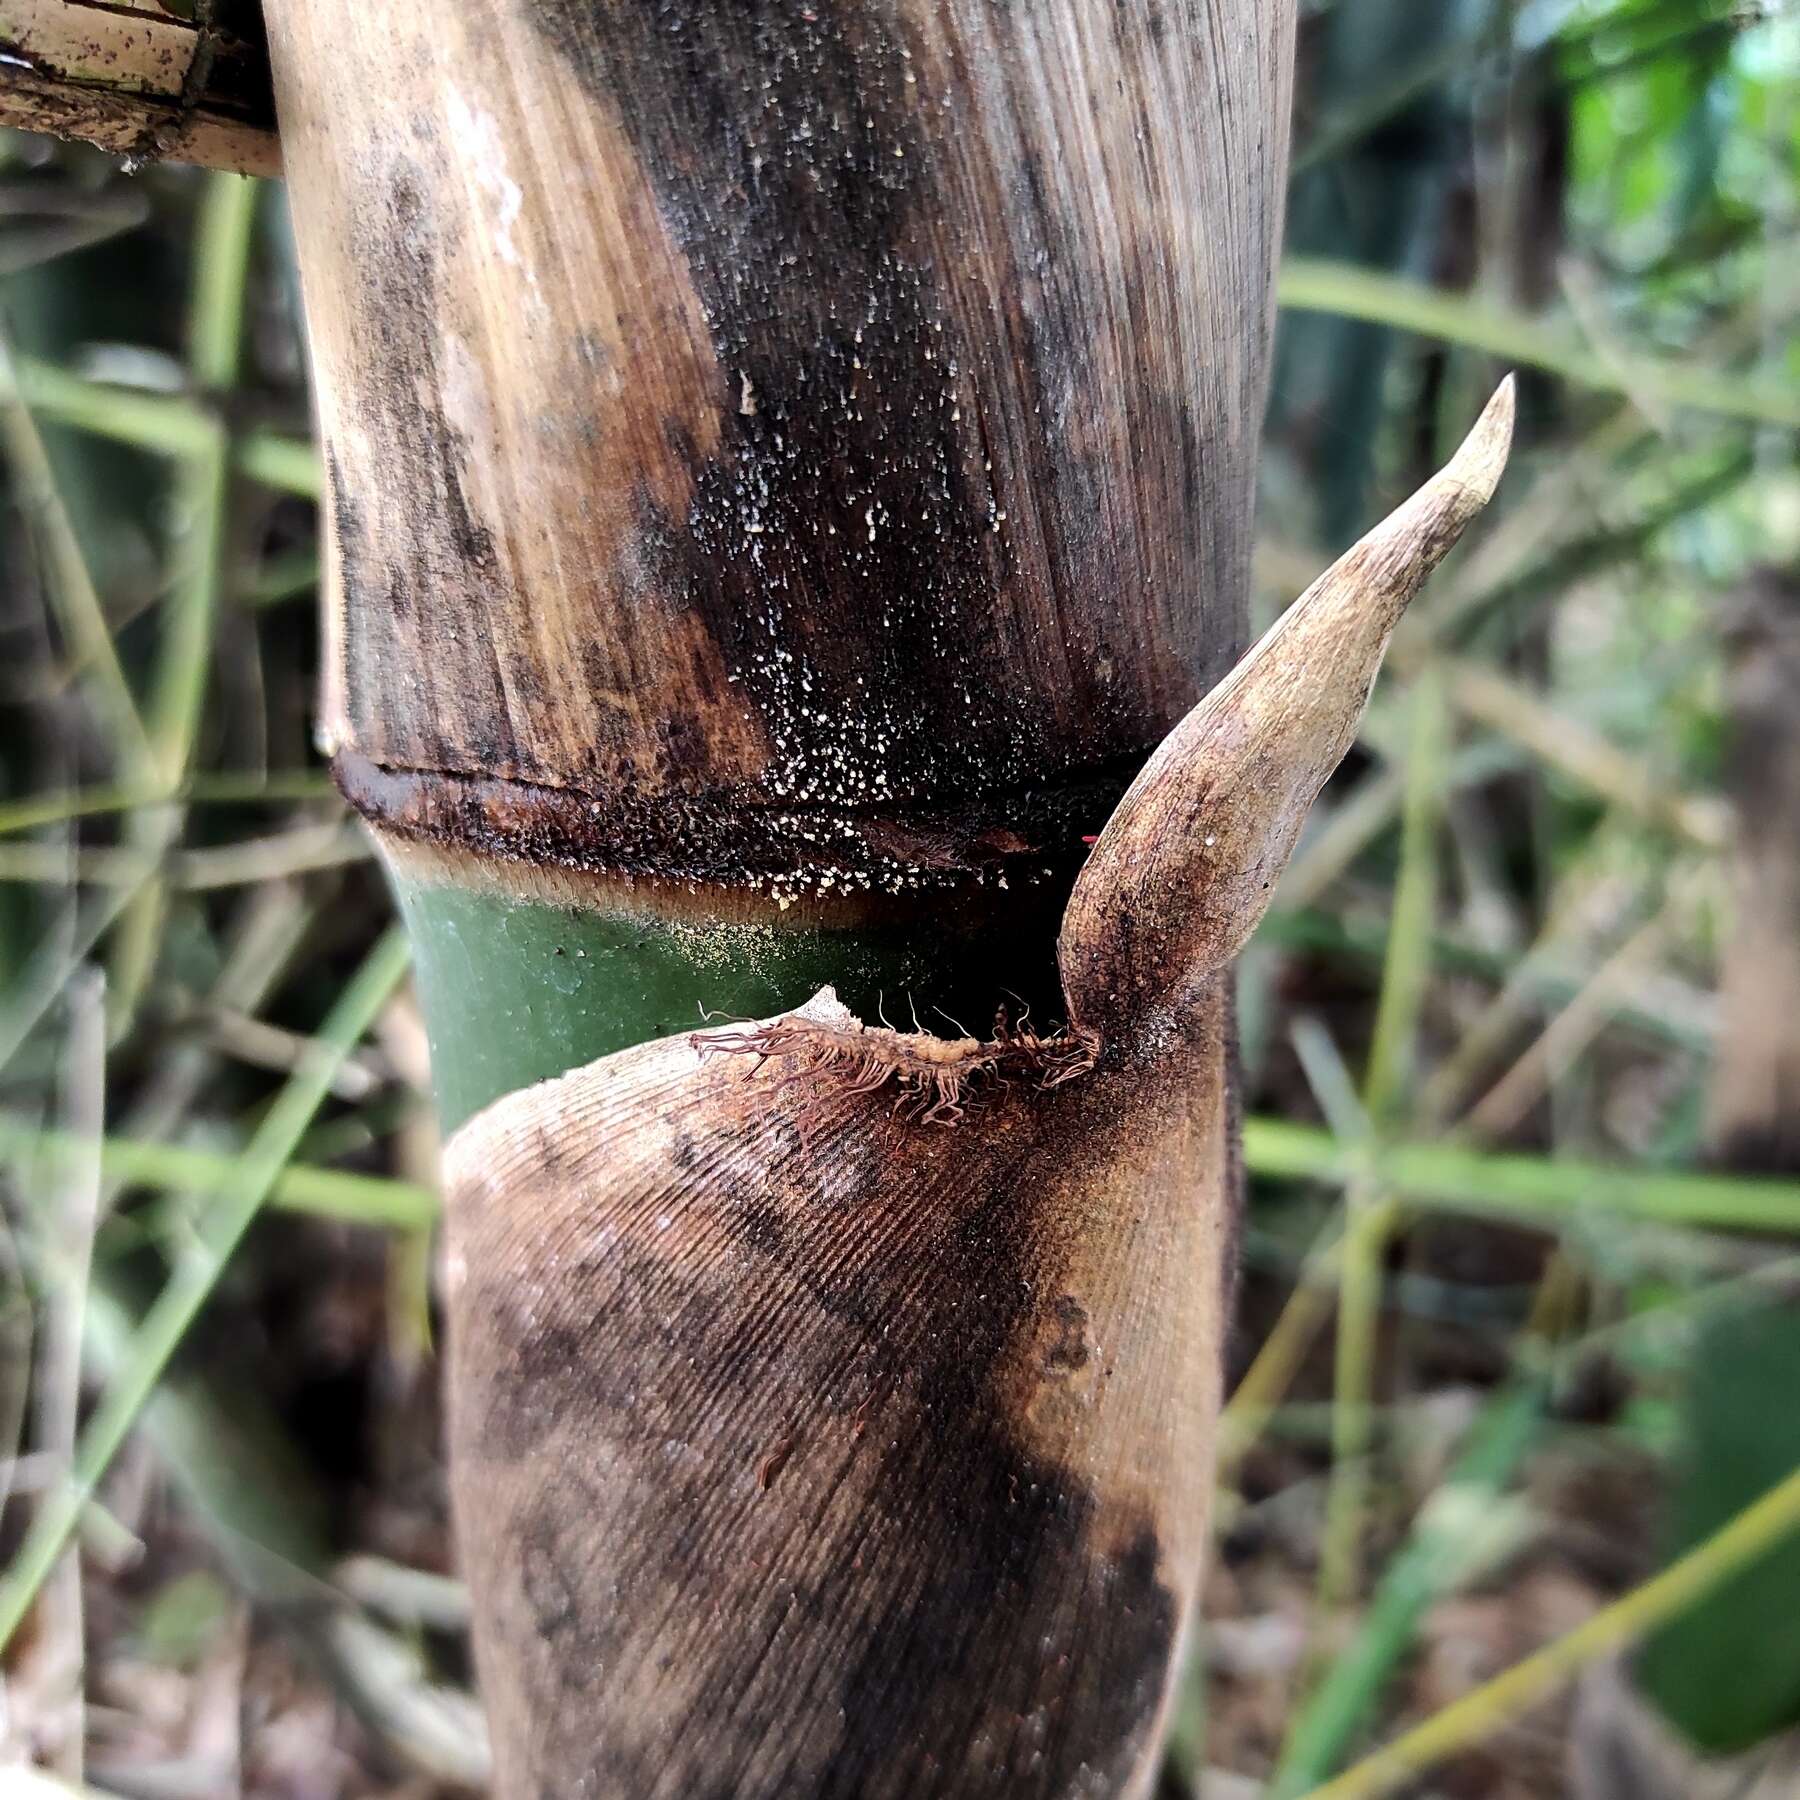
{"x":936,"y":1078}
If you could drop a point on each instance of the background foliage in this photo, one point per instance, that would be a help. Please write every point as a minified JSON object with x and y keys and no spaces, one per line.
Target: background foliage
{"x":1517,"y":1338}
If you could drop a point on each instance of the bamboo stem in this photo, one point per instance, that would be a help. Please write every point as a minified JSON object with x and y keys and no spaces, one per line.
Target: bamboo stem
{"x":78,"y":606}
{"x":203,"y":490}
{"x":1558,"y":1193}
{"x":762,"y":568}
{"x":136,"y":79}
{"x":169,"y":424}
{"x":1348,"y":292}
{"x":375,"y":1200}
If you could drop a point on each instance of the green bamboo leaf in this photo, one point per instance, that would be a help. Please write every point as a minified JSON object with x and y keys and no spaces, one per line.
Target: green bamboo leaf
{"x":1348,"y":292}
{"x":1551,"y":1192}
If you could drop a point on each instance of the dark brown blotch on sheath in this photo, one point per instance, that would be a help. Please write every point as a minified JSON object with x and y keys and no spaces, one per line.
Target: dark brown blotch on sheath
{"x":1069,"y":1350}
{"x":892,"y":504}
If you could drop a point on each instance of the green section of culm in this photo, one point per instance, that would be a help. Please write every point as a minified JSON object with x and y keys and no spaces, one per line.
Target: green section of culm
{"x":515,"y":991}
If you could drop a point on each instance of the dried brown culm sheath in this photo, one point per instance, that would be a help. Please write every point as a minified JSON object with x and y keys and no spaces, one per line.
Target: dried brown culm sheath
{"x":1188,"y":862}
{"x":806,"y":1445}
